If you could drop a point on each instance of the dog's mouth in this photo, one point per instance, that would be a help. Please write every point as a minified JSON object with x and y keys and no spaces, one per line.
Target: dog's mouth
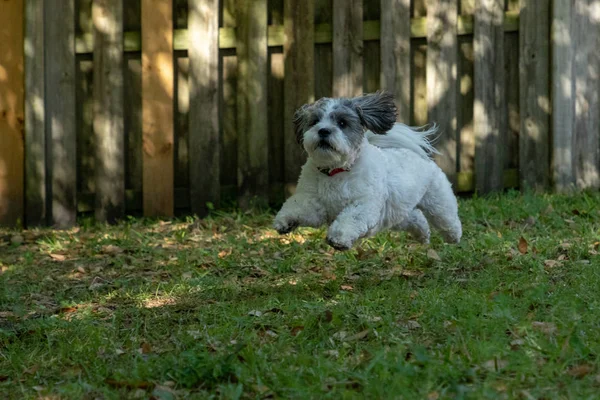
{"x":324,"y":145}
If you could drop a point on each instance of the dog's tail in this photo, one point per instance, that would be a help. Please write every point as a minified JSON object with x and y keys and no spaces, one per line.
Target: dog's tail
{"x":403,"y":136}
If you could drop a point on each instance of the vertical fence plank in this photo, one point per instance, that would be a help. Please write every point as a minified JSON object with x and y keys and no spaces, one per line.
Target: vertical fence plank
{"x":442,"y":95}
{"x":61,"y":133}
{"x":395,"y":53}
{"x":323,"y":52}
{"x":563,"y":88}
{"x":107,"y":16}
{"x":586,"y":70}
{"x":157,"y":107}
{"x":11,"y":112}
{"x":35,"y":128}
{"x":253,"y":173}
{"x":347,"y":48}
{"x":490,"y":100}
{"x":534,"y":81}
{"x":299,"y":79}
{"x":203,"y":52}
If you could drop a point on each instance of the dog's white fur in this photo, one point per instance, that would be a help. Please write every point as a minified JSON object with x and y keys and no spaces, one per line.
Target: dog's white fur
{"x":390,"y":182}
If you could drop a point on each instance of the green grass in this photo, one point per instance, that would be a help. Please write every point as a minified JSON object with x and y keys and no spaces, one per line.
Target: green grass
{"x":226,"y":308}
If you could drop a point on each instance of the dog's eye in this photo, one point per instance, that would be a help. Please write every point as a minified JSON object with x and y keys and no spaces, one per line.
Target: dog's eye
{"x":342,"y":123}
{"x":313,"y":122}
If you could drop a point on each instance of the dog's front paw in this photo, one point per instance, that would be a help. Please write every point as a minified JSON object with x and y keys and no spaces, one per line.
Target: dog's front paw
{"x":339,"y":239}
{"x":338,"y":245}
{"x":285,"y":225}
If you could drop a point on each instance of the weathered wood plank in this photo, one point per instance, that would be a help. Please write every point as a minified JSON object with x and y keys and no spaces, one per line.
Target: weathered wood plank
{"x":11,"y":112}
{"x":442,"y":90}
{"x":35,"y":120}
{"x":299,"y":81}
{"x":157,"y":107}
{"x":347,"y":48}
{"x":490,"y":100}
{"x":204,"y":149}
{"x":276,"y":124}
{"x":228,"y":107}
{"x":60,"y":110}
{"x":419,"y":83}
{"x":323,"y":51}
{"x":534,"y":84}
{"x":466,"y":152}
{"x":253,"y":157}
{"x":586,"y":70}
{"x":395,"y":53}
{"x":563,"y":91}
{"x":107,"y":17}
{"x":513,"y":123}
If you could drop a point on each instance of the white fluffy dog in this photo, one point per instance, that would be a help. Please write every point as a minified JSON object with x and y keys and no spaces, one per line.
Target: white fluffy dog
{"x":365,"y":173}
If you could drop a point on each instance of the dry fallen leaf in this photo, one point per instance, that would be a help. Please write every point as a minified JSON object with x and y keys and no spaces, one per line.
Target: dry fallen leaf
{"x":111,"y":249}
{"x":145,"y":348}
{"x":433,"y":255}
{"x":296,"y":330}
{"x":495,"y":365}
{"x":359,"y":336}
{"x":552,"y":263}
{"x":580,"y":371}
{"x":545,"y":327}
{"x":346,"y":287}
{"x":327,"y":316}
{"x":58,"y":257}
{"x":433,"y":396}
{"x":255,"y":313}
{"x":522,"y":245}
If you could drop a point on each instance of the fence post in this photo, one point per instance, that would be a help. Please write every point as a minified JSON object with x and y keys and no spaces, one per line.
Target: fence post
{"x":35,"y":128}
{"x":203,"y":52}
{"x":534,"y":89}
{"x":61,"y":132}
{"x":442,"y":94}
{"x":395,"y":53}
{"x":157,"y":107}
{"x":11,"y":112}
{"x":347,"y":48}
{"x":107,"y":16}
{"x":299,"y":78}
{"x":253,"y":150}
{"x":490,"y":112}
{"x":586,"y":71}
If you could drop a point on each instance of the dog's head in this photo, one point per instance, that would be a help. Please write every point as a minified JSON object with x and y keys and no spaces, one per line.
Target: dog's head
{"x":332,"y":130}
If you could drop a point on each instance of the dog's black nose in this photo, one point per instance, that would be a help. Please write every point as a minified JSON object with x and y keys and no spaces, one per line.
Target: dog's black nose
{"x":324,"y":132}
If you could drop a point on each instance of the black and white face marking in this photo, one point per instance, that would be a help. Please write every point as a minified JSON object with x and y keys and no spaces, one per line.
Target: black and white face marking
{"x":332,"y":130}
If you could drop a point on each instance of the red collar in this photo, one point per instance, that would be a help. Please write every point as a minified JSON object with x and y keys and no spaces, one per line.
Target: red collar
{"x":332,"y":172}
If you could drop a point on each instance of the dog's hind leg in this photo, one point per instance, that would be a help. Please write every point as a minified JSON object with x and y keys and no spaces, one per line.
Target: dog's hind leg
{"x":441,"y":208}
{"x":416,"y":225}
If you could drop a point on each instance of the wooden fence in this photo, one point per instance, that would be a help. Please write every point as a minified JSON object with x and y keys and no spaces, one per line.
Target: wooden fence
{"x":113,"y":106}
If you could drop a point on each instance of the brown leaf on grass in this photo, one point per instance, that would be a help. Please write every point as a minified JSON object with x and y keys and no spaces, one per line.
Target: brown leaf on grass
{"x":31,"y":370}
{"x":112,"y":249}
{"x":58,"y":257}
{"x":129,"y":384}
{"x":359,"y":336}
{"x":66,"y":310}
{"x":552,"y":264}
{"x":347,"y":287}
{"x":145,"y":348}
{"x":545,"y":327}
{"x":327,"y":316}
{"x":433,"y":255}
{"x":433,"y":396}
{"x":580,"y":371}
{"x":6,"y":314}
{"x":495,"y":365}
{"x":522,"y":245}
{"x":296,"y":330}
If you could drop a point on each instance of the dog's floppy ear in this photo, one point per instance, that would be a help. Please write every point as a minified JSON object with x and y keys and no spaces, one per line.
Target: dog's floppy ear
{"x":377,"y":111}
{"x":301,"y":120}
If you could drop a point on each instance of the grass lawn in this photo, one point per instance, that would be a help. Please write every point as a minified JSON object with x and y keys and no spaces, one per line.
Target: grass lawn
{"x":224,"y":307}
